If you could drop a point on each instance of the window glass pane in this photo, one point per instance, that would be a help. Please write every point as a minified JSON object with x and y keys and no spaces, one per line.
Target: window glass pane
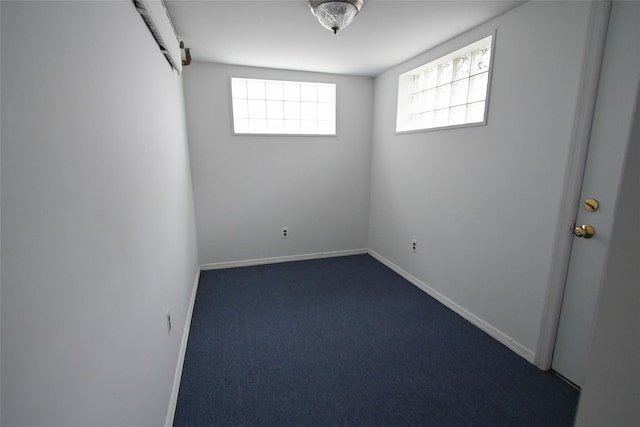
{"x":275,"y":126}
{"x":427,"y":119}
{"x":480,"y":60}
{"x":292,"y":91}
{"x":240,"y":108}
{"x":292,"y":126}
{"x":416,"y":104}
{"x":325,"y":111}
{"x":326,"y":127}
{"x":308,"y":93}
{"x":461,"y":67}
{"x":447,"y":91}
{"x":416,"y":121}
{"x":275,"y":109}
{"x":308,"y":126}
{"x":326,"y":93}
{"x":292,"y":110}
{"x":308,"y":111}
{"x":478,"y":87}
{"x":475,"y":112}
{"x":429,"y":100}
{"x":281,"y":107}
{"x":430,"y":78}
{"x":441,"y":117}
{"x":443,"y":96}
{"x":459,"y":91}
{"x":418,"y":82}
{"x":256,"y":89}
{"x":257,"y":109}
{"x":457,"y":115}
{"x":239,"y":88}
{"x":241,"y":125}
{"x":275,"y":90}
{"x":258,"y":125}
{"x":445,"y":72}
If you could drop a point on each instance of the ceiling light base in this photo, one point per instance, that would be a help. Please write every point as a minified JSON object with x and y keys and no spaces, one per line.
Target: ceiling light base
{"x":335,"y":15}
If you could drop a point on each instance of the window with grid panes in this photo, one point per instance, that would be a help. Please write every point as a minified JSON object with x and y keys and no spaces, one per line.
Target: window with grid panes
{"x":450,"y":91}
{"x":283,"y":107}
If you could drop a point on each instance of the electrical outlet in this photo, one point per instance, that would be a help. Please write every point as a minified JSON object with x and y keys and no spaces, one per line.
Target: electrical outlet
{"x":285,"y":232}
{"x":414,"y":246}
{"x":168,"y":322}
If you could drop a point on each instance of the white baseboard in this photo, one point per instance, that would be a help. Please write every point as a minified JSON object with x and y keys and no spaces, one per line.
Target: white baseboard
{"x":274,"y":260}
{"x":173,"y":401}
{"x":472,"y":318}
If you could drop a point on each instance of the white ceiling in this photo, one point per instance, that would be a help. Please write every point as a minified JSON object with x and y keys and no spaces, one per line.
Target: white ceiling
{"x":285,"y":34}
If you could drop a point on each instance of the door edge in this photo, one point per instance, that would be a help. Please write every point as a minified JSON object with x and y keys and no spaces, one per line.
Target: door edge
{"x":585,"y":107}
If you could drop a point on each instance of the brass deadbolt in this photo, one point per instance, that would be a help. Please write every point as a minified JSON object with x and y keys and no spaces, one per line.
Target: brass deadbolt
{"x":591,"y":205}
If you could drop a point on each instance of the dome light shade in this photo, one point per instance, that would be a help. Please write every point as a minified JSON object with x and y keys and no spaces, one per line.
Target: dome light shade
{"x":335,"y":15}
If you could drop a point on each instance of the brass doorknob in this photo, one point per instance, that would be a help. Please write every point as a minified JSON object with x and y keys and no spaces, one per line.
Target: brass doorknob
{"x":585,"y":230}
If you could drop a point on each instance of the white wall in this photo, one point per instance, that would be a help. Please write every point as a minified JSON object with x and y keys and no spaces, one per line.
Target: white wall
{"x":98,"y":229}
{"x":483,"y":202}
{"x":611,"y":394}
{"x":246,"y":188}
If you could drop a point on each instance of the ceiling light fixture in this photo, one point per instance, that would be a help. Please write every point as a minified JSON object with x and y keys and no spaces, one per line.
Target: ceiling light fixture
{"x":335,"y":15}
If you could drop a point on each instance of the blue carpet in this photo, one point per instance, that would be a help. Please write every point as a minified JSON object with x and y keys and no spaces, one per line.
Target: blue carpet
{"x":348,"y":342}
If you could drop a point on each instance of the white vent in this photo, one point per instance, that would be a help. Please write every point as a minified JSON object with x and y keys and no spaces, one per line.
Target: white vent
{"x":157,"y":18}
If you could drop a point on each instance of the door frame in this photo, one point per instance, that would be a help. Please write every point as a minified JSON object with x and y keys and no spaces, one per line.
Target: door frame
{"x":572,"y":186}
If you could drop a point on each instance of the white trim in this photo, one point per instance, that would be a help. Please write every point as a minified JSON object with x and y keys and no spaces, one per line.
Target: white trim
{"x":173,"y":401}
{"x":472,"y":318}
{"x":274,"y":260}
{"x":572,"y":186}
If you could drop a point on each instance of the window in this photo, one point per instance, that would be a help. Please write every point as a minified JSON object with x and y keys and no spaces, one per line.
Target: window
{"x":283,"y":107}
{"x":450,"y":91}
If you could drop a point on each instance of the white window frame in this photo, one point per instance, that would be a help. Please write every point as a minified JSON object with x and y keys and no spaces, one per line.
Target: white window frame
{"x":265,"y":119}
{"x":404,"y":108}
